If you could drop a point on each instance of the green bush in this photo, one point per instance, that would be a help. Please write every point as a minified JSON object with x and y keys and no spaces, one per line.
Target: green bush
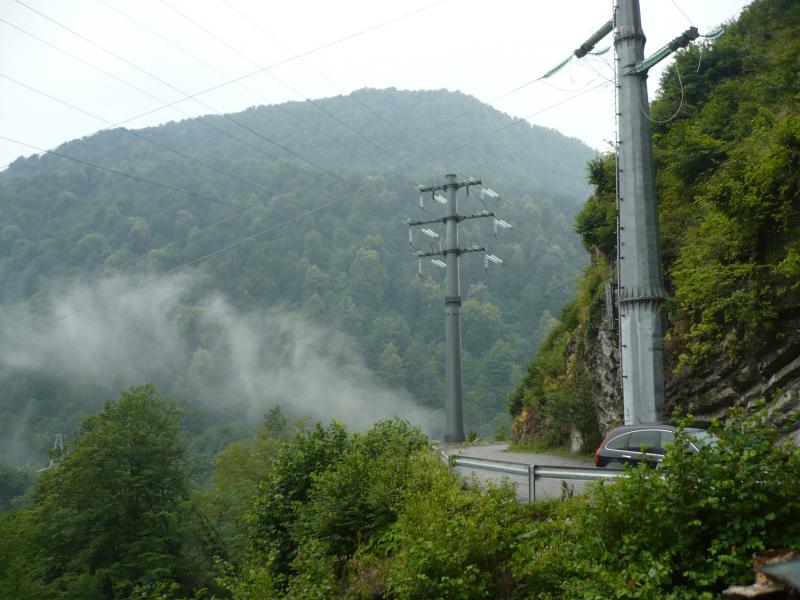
{"x":450,"y":542}
{"x":686,"y":530}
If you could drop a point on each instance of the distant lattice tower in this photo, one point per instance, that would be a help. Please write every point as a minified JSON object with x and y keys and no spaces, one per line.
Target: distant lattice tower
{"x":57,"y":453}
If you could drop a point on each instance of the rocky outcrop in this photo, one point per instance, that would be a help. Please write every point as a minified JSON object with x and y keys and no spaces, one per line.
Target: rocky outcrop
{"x":603,"y":367}
{"x":771,"y":373}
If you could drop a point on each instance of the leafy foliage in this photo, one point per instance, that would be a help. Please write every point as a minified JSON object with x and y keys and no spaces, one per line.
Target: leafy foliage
{"x":685,"y":531}
{"x":557,"y":387}
{"x":328,"y":493}
{"x":116,"y":512}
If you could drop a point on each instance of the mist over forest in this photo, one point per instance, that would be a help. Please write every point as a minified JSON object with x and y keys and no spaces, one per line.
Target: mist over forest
{"x":322,"y":314}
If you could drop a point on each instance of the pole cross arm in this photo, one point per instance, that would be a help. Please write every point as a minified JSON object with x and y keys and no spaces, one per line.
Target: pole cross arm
{"x":681,"y":41}
{"x":459,"y":251}
{"x":480,"y":215}
{"x":429,"y":188}
{"x":413,"y":223}
{"x":589,"y":44}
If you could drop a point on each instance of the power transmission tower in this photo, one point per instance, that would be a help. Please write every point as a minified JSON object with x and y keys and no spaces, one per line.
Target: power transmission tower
{"x":56,"y":454}
{"x":453,"y":405}
{"x":58,"y":450}
{"x":640,"y":286}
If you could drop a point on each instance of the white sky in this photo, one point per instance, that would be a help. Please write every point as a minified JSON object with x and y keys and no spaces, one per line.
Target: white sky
{"x":481,"y":48}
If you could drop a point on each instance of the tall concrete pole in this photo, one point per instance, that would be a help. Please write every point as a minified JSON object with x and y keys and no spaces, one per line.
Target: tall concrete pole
{"x":453,"y":404}
{"x":453,"y":401}
{"x":641,"y":288}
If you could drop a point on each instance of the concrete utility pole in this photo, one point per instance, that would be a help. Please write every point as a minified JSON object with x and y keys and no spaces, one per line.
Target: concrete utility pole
{"x":641,"y":285}
{"x":454,"y":414}
{"x":453,"y":405}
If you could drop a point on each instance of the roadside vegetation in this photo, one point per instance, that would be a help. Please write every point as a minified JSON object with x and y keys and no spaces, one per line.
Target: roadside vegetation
{"x":302,"y":511}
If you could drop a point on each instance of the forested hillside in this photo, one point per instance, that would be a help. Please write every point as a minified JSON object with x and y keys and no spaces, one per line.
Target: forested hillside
{"x":324,"y":313}
{"x":726,"y":134}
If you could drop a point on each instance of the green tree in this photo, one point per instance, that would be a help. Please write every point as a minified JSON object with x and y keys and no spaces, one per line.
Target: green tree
{"x":14,"y":482}
{"x":367,"y":278}
{"x":391,"y":368}
{"x":114,"y":514}
{"x":286,"y":489}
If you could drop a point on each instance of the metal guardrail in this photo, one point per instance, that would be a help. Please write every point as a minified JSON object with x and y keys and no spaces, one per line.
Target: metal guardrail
{"x":533,"y":472}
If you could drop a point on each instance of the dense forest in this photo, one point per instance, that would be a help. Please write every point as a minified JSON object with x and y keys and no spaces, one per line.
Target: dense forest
{"x":320,"y":309}
{"x":726,"y":138}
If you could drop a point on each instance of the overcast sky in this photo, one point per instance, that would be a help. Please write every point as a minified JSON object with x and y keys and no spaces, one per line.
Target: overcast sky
{"x":479,"y":47}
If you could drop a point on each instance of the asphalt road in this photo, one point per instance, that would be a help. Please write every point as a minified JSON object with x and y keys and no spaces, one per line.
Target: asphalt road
{"x":545,"y":489}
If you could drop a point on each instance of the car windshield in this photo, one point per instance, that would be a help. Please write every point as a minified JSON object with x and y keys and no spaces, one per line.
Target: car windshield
{"x":701,"y":438}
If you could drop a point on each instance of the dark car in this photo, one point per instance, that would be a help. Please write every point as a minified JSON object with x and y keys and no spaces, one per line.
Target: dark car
{"x":632,"y":444}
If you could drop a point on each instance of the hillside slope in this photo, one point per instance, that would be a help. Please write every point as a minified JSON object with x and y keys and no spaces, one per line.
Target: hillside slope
{"x":729,"y":190}
{"x":70,"y":231}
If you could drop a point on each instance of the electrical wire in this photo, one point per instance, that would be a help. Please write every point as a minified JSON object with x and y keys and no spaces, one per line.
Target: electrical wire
{"x":106,"y":121}
{"x":178,"y":90}
{"x":141,"y":91}
{"x":289,"y":87}
{"x":178,"y":269}
{"x":140,"y":136}
{"x":341,"y":88}
{"x":227,"y":76}
{"x":523,"y":119}
{"x":253,"y":236}
{"x":680,"y":10}
{"x":677,"y":110}
{"x":281,"y":62}
{"x":123,"y":173}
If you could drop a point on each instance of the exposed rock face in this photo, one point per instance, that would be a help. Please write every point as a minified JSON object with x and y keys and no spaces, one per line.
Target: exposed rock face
{"x":603,"y":366}
{"x":710,"y":390}
{"x":769,"y":372}
{"x":772,"y":374}
{"x":526,"y":428}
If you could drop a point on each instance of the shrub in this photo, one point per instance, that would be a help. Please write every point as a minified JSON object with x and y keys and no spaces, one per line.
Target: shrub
{"x":684,"y":531}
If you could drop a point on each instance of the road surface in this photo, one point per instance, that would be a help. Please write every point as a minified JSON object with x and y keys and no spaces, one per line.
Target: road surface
{"x":545,"y":488}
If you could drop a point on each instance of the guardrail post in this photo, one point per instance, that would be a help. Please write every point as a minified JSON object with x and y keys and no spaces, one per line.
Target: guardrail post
{"x":531,"y":483}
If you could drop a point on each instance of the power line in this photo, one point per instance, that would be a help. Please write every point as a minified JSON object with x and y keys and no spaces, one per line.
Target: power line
{"x":179,"y":268}
{"x":122,"y":173}
{"x":139,"y":136}
{"x":285,"y":61}
{"x":383,"y":119}
{"x":218,"y":71}
{"x":166,"y":83}
{"x":524,"y":119}
{"x":248,"y":238}
{"x":275,"y":78}
{"x":239,"y":242}
{"x":680,"y":10}
{"x":141,"y":91}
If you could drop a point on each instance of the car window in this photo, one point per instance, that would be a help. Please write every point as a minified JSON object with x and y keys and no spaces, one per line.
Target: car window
{"x":667,"y":437}
{"x":702,"y":438}
{"x":644,"y":441}
{"x":619,"y":443}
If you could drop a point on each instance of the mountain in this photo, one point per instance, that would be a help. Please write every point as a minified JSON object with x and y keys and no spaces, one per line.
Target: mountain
{"x":259,"y":258}
{"x":728,"y":179}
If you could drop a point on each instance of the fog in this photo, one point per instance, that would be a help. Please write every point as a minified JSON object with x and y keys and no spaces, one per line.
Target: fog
{"x":238,"y":364}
